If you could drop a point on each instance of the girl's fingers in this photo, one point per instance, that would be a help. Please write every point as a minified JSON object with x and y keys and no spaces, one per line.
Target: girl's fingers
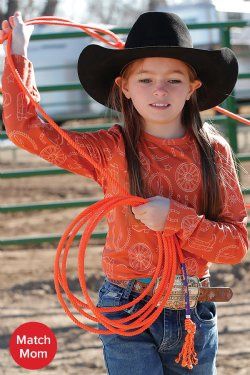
{"x":17,"y":18}
{"x":5,"y":26}
{"x":11,"y":21}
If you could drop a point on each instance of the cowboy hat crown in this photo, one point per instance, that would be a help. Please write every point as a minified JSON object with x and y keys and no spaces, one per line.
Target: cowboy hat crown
{"x":170,"y":31}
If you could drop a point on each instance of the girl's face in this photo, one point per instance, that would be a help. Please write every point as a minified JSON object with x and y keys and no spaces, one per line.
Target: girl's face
{"x":158,"y":88}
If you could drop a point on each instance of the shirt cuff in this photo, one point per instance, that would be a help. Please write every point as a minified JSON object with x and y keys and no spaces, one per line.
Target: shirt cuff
{"x":22,"y":62}
{"x":179,"y":216}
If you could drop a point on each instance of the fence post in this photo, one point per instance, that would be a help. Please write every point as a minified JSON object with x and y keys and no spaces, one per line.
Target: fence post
{"x":230,"y":103}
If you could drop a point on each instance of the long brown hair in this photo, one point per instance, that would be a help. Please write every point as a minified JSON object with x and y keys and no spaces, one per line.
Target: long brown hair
{"x":211,"y":200}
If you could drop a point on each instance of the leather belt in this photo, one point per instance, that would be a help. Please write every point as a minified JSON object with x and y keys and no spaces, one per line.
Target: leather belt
{"x":199,"y":290}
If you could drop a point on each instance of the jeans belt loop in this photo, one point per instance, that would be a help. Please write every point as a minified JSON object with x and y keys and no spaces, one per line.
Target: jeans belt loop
{"x":128,"y":288}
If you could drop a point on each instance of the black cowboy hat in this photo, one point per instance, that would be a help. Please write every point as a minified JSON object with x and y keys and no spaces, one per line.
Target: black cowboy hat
{"x":159,"y":34}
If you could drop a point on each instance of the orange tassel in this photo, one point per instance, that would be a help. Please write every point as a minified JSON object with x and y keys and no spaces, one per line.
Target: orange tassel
{"x":188,"y":356}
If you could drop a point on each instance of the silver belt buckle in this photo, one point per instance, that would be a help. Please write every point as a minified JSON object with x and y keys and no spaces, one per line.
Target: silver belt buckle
{"x":176,"y":300}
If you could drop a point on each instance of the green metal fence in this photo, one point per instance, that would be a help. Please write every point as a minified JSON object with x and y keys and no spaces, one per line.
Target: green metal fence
{"x":228,"y":124}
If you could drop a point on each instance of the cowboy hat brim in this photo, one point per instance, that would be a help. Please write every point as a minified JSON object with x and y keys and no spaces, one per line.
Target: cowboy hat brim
{"x":217,"y":69}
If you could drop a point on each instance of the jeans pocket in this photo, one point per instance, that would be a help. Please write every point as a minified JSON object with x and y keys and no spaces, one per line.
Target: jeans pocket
{"x":110,"y":295}
{"x":206,"y":312}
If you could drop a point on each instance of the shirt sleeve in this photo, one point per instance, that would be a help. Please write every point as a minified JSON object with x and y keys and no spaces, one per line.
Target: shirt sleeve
{"x":223,"y":241}
{"x":26,"y":130}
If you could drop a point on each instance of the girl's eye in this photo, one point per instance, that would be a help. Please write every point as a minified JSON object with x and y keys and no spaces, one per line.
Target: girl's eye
{"x":145,"y":80}
{"x":174,"y":81}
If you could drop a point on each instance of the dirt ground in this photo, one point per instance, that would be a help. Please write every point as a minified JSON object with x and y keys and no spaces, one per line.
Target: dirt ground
{"x":27,"y":286}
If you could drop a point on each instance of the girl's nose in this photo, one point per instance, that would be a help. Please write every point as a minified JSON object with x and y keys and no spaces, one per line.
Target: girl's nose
{"x":160,"y":89}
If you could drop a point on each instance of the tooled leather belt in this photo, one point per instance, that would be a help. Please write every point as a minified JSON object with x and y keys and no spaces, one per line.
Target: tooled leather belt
{"x":199,"y":290}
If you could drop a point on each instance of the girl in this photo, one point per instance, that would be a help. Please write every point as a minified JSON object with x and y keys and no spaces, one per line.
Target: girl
{"x":163,"y":152}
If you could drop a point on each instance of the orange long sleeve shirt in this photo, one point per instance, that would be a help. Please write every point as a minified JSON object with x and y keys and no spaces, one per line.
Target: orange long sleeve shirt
{"x":171,"y":168}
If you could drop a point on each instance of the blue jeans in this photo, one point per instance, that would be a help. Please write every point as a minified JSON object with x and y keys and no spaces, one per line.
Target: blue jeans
{"x":153,"y":352}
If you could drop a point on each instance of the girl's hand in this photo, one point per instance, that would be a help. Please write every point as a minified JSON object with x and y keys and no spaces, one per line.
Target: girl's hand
{"x":153,"y":213}
{"x":20,"y":34}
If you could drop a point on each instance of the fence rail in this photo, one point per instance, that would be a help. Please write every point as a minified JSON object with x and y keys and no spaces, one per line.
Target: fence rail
{"x":31,"y":206}
{"x":48,"y":238}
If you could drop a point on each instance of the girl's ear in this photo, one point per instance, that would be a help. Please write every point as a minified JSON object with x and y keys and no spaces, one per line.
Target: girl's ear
{"x":123,"y":84}
{"x":118,"y":80}
{"x":194,"y":86}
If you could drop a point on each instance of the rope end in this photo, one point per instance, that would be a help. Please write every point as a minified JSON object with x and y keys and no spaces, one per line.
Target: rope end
{"x":187,"y":355}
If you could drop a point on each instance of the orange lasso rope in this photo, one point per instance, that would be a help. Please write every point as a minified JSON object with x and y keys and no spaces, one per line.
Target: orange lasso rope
{"x":168,"y":247}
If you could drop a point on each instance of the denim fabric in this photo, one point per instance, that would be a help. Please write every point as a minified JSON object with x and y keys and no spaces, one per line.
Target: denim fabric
{"x":153,"y":352}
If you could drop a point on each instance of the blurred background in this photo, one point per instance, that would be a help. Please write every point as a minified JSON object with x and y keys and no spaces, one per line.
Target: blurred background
{"x":39,"y":200}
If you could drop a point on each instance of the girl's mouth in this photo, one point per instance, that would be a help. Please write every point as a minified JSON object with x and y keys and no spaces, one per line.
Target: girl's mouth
{"x":159,"y":106}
